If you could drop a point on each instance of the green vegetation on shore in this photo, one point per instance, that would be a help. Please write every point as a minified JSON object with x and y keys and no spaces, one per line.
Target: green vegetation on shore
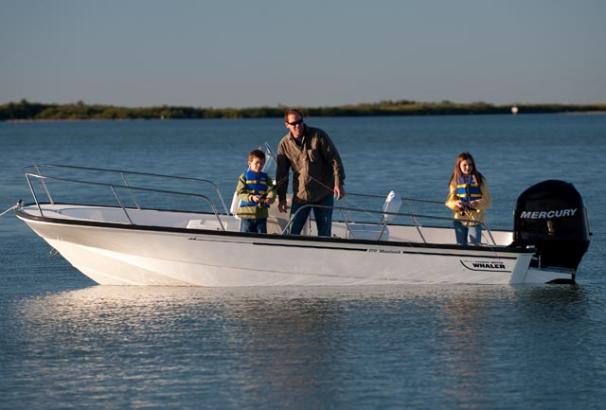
{"x":30,"y":111}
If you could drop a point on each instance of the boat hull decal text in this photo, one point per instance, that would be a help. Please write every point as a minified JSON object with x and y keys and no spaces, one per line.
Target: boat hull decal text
{"x":555,"y":213}
{"x":485,"y":266}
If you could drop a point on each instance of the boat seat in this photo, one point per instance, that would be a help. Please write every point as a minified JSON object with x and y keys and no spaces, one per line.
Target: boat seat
{"x":211,"y":224}
{"x":376,"y":231}
{"x":392,"y":204}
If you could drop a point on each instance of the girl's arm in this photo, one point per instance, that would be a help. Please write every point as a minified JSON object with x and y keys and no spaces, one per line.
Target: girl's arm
{"x":452,"y":201}
{"x":486,"y":201}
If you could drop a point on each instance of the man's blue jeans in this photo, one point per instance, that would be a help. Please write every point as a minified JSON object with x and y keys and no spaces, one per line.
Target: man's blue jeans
{"x":322,"y":214}
{"x":473,"y":231}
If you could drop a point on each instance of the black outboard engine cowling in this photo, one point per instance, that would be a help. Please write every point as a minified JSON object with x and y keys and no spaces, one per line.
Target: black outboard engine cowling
{"x":551,"y":216}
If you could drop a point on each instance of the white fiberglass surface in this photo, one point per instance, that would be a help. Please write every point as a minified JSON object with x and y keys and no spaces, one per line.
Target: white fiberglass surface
{"x":118,"y":215}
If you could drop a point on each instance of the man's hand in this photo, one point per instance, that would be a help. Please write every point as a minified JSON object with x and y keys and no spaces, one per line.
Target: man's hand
{"x":282,"y":207}
{"x":339,"y":192}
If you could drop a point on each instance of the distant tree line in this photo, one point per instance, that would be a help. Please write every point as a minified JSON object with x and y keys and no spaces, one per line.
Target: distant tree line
{"x":25,"y":110}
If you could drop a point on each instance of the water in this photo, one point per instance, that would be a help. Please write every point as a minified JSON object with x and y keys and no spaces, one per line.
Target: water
{"x":65,"y":342}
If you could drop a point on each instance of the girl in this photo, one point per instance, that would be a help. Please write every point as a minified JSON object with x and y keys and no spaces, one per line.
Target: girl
{"x":468,"y":197}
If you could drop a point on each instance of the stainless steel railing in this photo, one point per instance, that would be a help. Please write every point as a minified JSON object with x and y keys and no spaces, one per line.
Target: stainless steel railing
{"x":113,"y":188}
{"x":123,"y":175}
{"x":131,"y":189}
{"x":383,"y":220}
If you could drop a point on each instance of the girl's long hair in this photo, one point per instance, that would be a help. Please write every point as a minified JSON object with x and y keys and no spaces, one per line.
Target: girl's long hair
{"x":456,"y":172}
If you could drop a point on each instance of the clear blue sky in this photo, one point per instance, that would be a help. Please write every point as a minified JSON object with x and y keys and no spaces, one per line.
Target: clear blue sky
{"x":312,"y":52}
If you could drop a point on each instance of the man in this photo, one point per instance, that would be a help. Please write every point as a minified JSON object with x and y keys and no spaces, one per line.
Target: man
{"x":318,"y":174}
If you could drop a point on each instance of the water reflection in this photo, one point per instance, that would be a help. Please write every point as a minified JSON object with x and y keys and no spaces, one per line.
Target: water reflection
{"x":298,"y":346}
{"x":510,"y":337}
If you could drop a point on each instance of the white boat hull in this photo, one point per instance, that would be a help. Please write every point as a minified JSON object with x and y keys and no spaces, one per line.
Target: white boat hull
{"x":131,"y":255}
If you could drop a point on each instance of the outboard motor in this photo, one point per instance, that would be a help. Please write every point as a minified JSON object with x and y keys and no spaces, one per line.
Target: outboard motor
{"x":551,"y":217}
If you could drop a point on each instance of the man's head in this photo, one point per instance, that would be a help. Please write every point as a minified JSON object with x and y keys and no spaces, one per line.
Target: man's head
{"x":256,"y":160}
{"x":293,"y":121}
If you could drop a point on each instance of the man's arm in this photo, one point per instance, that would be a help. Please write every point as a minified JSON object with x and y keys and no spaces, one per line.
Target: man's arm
{"x":332,"y":157}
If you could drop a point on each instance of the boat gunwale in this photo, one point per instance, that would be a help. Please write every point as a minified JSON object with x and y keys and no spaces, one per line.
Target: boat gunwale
{"x":156,"y":228}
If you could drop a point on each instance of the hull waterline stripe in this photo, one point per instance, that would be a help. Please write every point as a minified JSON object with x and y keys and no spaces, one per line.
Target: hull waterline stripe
{"x":458,"y":255}
{"x":310,"y":246}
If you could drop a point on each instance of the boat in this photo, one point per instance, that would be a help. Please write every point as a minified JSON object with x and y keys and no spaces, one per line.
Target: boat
{"x":124,"y":242}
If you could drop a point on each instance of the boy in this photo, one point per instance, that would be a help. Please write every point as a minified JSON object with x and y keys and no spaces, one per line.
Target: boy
{"x":256,"y":193}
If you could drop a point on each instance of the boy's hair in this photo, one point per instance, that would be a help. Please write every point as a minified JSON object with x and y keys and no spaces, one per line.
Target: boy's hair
{"x":292,"y":111}
{"x":256,"y":153}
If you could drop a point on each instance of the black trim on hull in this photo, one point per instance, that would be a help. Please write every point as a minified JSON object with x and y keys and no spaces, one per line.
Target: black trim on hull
{"x":456,"y":255}
{"x":309,"y":247}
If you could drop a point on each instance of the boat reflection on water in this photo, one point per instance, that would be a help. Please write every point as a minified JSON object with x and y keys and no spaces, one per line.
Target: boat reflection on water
{"x":485,"y":349}
{"x":299,"y":345}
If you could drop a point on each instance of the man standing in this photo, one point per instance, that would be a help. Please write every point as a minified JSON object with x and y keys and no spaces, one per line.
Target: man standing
{"x":318,"y":174}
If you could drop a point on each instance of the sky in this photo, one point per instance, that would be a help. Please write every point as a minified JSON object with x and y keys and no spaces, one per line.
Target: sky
{"x":226,"y":53}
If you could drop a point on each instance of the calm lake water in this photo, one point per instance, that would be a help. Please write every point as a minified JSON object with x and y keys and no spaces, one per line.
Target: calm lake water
{"x":67,"y":343}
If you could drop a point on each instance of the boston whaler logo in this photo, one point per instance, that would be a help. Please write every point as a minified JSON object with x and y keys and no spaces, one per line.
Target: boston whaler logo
{"x":485,"y":266}
{"x":555,"y":213}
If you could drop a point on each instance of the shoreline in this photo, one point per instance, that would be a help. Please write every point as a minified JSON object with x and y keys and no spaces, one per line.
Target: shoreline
{"x":52,"y":120}
{"x":25,"y":111}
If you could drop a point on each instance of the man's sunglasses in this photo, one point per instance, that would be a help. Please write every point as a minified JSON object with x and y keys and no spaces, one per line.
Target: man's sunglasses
{"x":294,"y":123}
